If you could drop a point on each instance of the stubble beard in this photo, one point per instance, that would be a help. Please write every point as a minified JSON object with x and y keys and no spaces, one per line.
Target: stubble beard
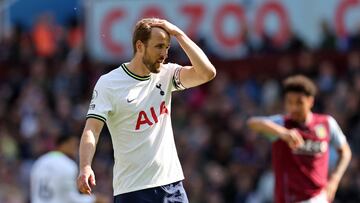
{"x":153,"y":67}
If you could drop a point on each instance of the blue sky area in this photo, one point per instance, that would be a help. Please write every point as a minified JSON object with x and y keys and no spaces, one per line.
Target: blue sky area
{"x":25,"y":12}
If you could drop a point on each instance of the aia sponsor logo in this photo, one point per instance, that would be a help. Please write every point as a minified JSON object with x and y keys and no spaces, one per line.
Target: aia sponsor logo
{"x":145,"y":119}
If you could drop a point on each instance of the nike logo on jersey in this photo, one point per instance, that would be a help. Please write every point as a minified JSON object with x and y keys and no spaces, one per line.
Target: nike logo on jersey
{"x":130,"y":100}
{"x":159,"y":87}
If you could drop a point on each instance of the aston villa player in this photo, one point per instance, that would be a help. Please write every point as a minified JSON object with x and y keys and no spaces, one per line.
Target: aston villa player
{"x":300,"y":148}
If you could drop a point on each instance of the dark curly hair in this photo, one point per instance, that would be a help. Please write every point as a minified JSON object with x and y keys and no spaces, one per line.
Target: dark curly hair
{"x":299,"y":84}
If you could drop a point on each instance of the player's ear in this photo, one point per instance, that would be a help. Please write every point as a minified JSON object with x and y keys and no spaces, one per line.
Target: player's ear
{"x":140,"y":46}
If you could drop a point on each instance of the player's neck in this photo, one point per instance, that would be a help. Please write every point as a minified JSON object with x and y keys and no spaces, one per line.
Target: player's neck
{"x":307,"y":119}
{"x":137,"y":67}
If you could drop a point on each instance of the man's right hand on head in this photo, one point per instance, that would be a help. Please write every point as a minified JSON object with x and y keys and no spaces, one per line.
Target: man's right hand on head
{"x":86,"y":180}
{"x":172,"y":29}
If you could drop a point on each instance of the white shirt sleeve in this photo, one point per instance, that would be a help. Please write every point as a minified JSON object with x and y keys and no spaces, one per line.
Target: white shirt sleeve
{"x":100,"y":105}
{"x":337,"y":137}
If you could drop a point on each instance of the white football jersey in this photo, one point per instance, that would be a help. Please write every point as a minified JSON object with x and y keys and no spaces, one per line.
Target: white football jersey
{"x":137,"y":112}
{"x":53,"y":180}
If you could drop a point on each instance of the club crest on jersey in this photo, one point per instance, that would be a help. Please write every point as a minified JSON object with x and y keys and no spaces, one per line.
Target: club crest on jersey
{"x":320,"y":131}
{"x":159,"y":87}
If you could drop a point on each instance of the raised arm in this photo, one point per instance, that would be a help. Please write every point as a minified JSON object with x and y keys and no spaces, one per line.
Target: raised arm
{"x":265,"y":126}
{"x":201,"y":69}
{"x":89,"y":139}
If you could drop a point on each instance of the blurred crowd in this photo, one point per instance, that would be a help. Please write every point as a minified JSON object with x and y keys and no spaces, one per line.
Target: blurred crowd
{"x":46,"y":81}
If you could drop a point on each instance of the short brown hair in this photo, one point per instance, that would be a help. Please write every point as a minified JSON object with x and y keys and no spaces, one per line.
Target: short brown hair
{"x":142,"y":31}
{"x":299,"y":84}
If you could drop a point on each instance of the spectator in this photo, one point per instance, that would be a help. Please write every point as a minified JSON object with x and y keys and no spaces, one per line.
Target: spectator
{"x":328,"y":41}
{"x":44,"y":36}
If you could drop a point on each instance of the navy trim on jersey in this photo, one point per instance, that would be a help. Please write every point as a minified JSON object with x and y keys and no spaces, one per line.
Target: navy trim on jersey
{"x":96,"y":117}
{"x":127,"y":71}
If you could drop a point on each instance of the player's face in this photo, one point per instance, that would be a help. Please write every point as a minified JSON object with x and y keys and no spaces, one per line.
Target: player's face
{"x":298,"y":105}
{"x":156,"y":50}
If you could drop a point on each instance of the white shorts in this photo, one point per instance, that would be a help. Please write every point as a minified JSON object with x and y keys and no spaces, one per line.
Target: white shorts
{"x":320,"y":198}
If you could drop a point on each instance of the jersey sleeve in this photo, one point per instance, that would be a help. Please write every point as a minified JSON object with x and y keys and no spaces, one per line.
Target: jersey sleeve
{"x":278,"y":119}
{"x":337,"y":137}
{"x":100,"y":105}
{"x":175,"y":70}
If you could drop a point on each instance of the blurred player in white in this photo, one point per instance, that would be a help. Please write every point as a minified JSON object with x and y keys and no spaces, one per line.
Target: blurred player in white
{"x":134,"y":101}
{"x":53,"y":175}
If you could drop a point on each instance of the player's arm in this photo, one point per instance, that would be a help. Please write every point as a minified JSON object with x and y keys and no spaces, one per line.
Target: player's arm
{"x":201,"y":69}
{"x":268,"y":127}
{"x":338,"y":140}
{"x":72,"y":195}
{"x":344,"y":154}
{"x":88,"y":142}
